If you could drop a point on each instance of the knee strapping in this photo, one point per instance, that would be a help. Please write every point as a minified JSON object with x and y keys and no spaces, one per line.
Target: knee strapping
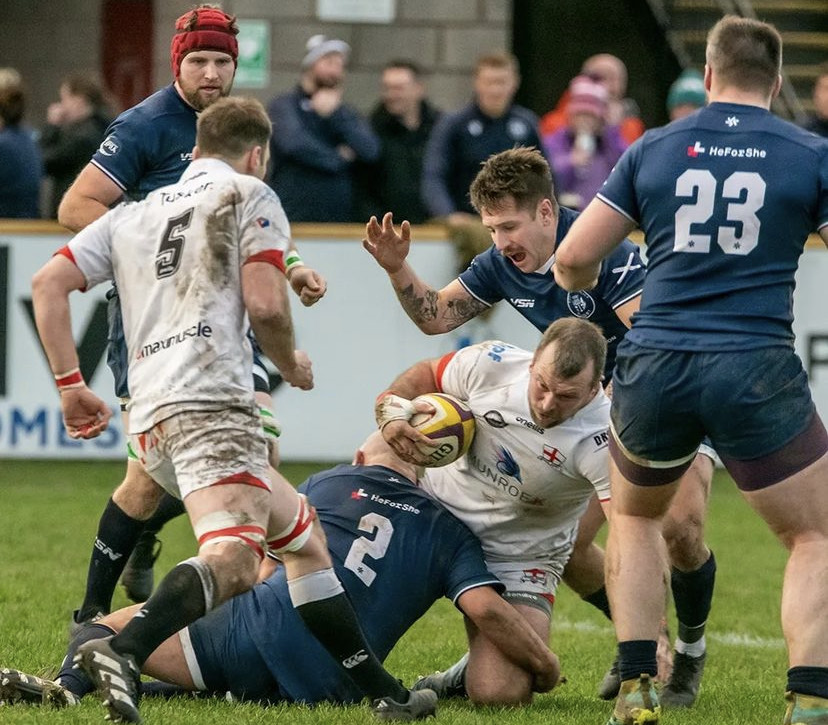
{"x":296,"y":534}
{"x":219,"y":526}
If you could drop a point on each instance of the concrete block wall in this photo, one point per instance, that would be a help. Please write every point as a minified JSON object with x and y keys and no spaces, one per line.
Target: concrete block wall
{"x":445,"y":38}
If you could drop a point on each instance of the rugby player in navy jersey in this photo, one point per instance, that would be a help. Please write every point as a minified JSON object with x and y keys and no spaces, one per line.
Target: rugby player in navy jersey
{"x":513,"y":193}
{"x":378,"y":525}
{"x":146,"y":147}
{"x":726,"y":199}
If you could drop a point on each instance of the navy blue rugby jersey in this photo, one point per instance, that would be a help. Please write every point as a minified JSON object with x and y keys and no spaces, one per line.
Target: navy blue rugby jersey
{"x":491,"y":277}
{"x":149,"y":145}
{"x":726,"y":199}
{"x":395,"y":550}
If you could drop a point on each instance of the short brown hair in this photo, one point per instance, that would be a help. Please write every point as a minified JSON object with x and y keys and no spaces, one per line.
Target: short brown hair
{"x":521,"y":174}
{"x":12,"y":97}
{"x":580,"y":341}
{"x":497,"y":60}
{"x":232,"y":126}
{"x":745,"y":53}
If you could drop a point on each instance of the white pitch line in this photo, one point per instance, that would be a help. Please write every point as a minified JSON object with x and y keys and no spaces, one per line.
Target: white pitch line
{"x":730,"y":639}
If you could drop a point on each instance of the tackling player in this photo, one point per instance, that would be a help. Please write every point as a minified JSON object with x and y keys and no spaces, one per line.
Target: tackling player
{"x":513,"y":193}
{"x":726,"y":199}
{"x":377,"y":524}
{"x":193,"y":263}
{"x":538,"y":456}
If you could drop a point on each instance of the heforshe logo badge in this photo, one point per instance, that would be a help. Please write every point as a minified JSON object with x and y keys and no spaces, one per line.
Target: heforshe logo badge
{"x":696,"y":149}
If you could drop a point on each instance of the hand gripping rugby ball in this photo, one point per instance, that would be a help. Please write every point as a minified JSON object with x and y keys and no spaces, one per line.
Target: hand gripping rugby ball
{"x":451,"y":426}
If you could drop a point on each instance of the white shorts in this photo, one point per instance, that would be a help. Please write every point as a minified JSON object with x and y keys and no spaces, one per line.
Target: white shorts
{"x":193,"y":450}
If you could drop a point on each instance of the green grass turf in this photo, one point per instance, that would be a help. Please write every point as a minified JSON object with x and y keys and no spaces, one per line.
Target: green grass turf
{"x":49,"y":512}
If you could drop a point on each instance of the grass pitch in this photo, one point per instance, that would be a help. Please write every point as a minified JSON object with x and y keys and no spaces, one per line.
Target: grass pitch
{"x":49,"y":512}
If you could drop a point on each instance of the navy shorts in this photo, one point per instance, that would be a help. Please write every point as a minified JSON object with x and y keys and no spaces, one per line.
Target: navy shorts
{"x":116,"y":354}
{"x":227,"y":657}
{"x":750,"y":403}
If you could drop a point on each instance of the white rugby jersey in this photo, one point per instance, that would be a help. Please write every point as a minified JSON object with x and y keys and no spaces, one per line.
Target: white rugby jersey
{"x":521,"y":489}
{"x":176,"y":259}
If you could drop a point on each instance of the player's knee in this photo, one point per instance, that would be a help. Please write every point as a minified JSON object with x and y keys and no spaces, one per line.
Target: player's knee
{"x":234,"y":546}
{"x":503,"y":691}
{"x":138,"y":494}
{"x":684,"y":535}
{"x":298,"y":535}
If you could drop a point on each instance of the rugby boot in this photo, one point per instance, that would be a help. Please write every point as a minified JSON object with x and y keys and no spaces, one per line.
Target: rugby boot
{"x":449,"y":683}
{"x":116,"y":678}
{"x":137,"y":578}
{"x":421,"y":705}
{"x":17,"y":686}
{"x":682,"y":688}
{"x":611,"y":684}
{"x":805,"y":710}
{"x":637,"y":703}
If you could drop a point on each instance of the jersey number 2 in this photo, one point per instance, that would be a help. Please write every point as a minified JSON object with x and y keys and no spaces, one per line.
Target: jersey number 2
{"x":701,"y":184}
{"x":168,"y":256}
{"x":383,"y":530}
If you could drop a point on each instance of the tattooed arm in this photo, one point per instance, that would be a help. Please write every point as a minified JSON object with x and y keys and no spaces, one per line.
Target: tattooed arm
{"x":432,"y":311}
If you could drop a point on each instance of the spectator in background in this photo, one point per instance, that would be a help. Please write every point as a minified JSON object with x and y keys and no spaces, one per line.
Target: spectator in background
{"x":20,"y":164}
{"x":623,"y":112}
{"x":463,"y":140}
{"x":583,"y":152}
{"x":686,"y":95}
{"x":317,"y":138}
{"x":75,"y":126}
{"x":818,"y":121}
{"x":403,"y":121}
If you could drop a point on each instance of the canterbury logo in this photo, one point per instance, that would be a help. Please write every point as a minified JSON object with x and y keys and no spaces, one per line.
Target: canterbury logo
{"x":354,"y":660}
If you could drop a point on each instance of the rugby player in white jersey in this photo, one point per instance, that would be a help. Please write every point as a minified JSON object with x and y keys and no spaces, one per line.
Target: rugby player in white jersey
{"x":538,"y":456}
{"x":197,"y":263}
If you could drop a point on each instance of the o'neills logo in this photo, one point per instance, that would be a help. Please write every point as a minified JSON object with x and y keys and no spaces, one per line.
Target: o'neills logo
{"x":199,"y":330}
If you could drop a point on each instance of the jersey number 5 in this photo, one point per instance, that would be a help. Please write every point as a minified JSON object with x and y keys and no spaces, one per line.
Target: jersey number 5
{"x":383,"y":530}
{"x":168,"y":256}
{"x":747,"y":187}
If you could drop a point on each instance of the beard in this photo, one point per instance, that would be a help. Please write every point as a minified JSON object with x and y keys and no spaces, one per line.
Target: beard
{"x":200,"y":102}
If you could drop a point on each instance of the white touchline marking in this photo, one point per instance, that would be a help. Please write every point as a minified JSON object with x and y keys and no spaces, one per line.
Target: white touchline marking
{"x":730,"y":639}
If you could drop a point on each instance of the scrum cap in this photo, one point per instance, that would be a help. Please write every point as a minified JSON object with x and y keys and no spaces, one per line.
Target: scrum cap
{"x":204,"y":28}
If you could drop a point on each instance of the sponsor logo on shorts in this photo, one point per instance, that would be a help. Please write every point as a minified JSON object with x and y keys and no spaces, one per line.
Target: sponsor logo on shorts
{"x":534,"y":576}
{"x":580,"y":304}
{"x":198,"y":330}
{"x":355,"y":659}
{"x":522,"y":303}
{"x":401,"y":505}
{"x":494,"y":419}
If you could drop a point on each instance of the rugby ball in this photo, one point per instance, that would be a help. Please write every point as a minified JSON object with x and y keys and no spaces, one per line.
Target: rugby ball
{"x":451,"y":426}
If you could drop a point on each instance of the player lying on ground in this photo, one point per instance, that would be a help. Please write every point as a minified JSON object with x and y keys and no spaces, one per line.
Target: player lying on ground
{"x":378,"y":524}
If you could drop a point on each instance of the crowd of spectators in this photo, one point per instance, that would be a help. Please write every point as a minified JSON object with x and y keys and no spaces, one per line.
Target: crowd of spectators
{"x":330,"y":163}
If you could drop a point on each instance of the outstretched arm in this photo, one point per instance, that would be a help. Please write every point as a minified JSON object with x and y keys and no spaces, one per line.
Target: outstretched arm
{"x":434,"y":312}
{"x":501,"y":623}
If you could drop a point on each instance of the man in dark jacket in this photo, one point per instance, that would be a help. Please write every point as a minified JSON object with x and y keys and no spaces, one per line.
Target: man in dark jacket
{"x":317,"y":138}
{"x":403,"y":121}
